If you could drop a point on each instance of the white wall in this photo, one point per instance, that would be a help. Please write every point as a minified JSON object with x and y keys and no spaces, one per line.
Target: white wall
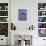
{"x":32,"y":14}
{"x":31,"y":7}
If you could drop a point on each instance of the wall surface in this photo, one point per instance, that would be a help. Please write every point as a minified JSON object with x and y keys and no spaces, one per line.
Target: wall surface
{"x":31,"y":7}
{"x":32,"y":14}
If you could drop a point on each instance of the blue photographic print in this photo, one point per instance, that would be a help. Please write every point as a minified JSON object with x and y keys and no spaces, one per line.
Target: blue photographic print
{"x":22,"y":14}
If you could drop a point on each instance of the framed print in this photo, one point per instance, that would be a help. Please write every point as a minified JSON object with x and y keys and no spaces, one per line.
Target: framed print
{"x":22,"y":14}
